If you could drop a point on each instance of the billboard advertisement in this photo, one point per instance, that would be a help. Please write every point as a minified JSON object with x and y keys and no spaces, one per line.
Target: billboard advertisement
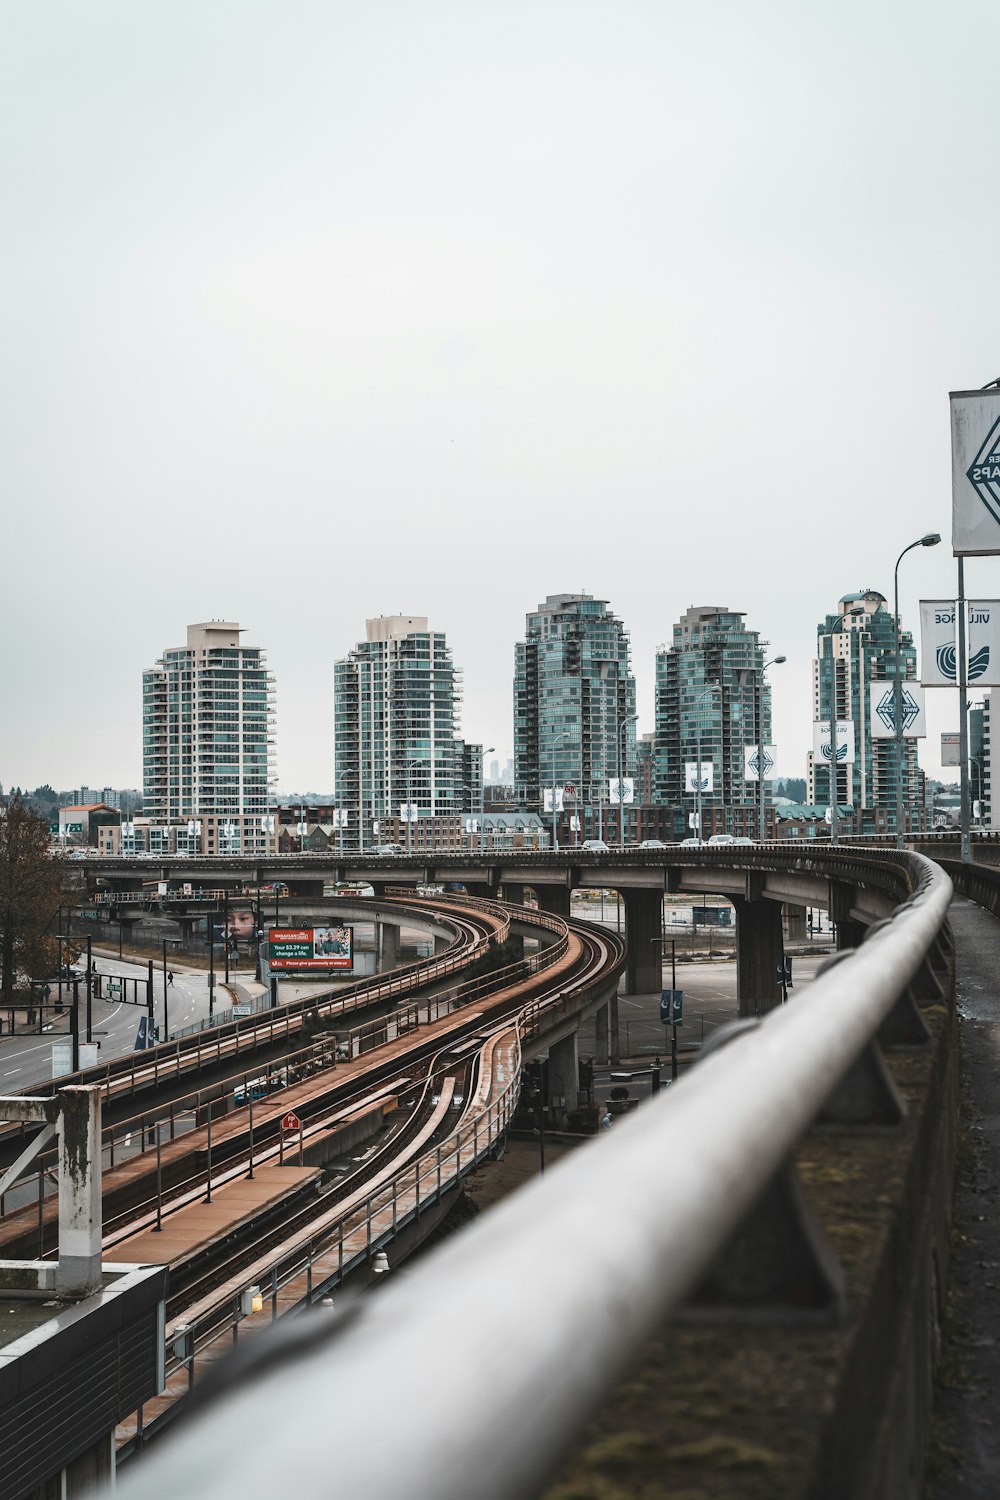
{"x":311,"y":948}
{"x":845,"y":742}
{"x":883,"y":710}
{"x":939,"y":647}
{"x":975,"y":473}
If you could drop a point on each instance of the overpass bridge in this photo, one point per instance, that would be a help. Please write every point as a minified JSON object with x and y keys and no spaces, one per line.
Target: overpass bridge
{"x":689,"y":1201}
{"x":522,"y":1326}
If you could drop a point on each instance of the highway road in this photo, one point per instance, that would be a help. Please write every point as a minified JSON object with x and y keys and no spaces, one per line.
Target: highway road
{"x":26,"y":1059}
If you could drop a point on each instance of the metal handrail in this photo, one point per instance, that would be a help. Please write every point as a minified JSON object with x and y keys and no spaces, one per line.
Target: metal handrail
{"x":584,"y":1301}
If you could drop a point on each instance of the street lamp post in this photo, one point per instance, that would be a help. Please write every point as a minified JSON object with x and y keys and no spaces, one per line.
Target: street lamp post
{"x":557,"y":741}
{"x":697,"y":779}
{"x":834,"y":809}
{"x":930,"y":539}
{"x":409,"y":804}
{"x":776,"y":661}
{"x":619,"y":736}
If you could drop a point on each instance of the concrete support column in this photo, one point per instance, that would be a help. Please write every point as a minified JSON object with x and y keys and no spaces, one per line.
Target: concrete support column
{"x":795,"y":922}
{"x":305,"y":887}
{"x":512,"y":892}
{"x":563,"y":1079}
{"x":79,"y":1269}
{"x":759,"y":950}
{"x":440,"y":944}
{"x":850,"y":932}
{"x":643,"y":928}
{"x":388,"y":945}
{"x":601,"y":1024}
{"x":553,"y":899}
{"x":92,"y":1470}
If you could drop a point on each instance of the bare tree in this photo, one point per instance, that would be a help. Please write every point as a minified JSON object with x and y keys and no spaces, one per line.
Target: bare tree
{"x":30,"y":896}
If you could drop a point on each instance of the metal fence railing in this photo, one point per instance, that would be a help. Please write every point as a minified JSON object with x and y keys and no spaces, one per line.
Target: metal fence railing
{"x":511,"y":1334}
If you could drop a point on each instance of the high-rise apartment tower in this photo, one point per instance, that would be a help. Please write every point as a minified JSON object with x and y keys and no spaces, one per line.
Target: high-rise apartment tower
{"x":574,"y":705}
{"x":397,"y":699}
{"x":712,"y":702}
{"x":207,"y":743}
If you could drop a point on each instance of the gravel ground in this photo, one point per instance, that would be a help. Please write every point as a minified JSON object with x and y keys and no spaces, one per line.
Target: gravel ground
{"x":964,"y":1460}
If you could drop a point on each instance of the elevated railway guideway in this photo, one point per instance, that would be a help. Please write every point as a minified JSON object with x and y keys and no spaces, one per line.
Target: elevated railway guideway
{"x":867,"y":1052}
{"x":448,"y":1087}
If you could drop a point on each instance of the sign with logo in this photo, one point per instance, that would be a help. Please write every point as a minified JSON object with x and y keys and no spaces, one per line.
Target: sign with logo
{"x":547,"y":793}
{"x":939,"y":648}
{"x":975,"y":473}
{"x":621,"y":789}
{"x":311,"y":947}
{"x":751,"y":762}
{"x":672,"y":1006}
{"x":698,"y":775}
{"x":145,"y":1036}
{"x":408,"y":812}
{"x":881,"y":697}
{"x":949,"y":750}
{"x":845,"y":742}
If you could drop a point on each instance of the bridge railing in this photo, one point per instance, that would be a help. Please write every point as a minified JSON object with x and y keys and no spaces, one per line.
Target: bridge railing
{"x":583,"y":1299}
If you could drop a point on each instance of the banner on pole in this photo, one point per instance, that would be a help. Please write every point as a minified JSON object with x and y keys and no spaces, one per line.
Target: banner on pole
{"x":949,"y":750}
{"x":939,"y":650}
{"x":845,"y":742}
{"x":975,"y":473}
{"x":751,"y":757}
{"x":621,"y":789}
{"x":883,"y":710}
{"x":547,"y":798}
{"x":698,"y":776}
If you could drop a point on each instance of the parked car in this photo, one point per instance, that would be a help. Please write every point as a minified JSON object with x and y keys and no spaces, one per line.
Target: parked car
{"x":595,"y":846}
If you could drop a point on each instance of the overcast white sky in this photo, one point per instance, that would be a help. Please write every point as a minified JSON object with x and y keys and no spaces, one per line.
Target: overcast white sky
{"x":314,"y":311}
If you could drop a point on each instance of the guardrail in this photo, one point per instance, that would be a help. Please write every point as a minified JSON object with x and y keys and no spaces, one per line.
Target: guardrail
{"x":584,"y":1301}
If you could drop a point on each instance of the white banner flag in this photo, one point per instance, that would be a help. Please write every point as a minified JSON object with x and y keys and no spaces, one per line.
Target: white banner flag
{"x":547,"y":799}
{"x":845,"y":742}
{"x":751,"y":755}
{"x":939,"y":648}
{"x":408,"y":812}
{"x":975,"y":473}
{"x":692,"y":781}
{"x":622,"y":790}
{"x":883,"y":713}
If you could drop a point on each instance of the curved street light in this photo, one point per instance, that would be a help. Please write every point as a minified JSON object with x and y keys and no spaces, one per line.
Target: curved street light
{"x":929,"y":539}
{"x":776,"y":661}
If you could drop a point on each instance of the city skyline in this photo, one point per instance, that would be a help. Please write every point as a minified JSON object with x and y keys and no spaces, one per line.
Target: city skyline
{"x":312,"y":315}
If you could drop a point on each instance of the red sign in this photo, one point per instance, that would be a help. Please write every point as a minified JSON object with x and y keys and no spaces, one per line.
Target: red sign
{"x":291,"y":1122}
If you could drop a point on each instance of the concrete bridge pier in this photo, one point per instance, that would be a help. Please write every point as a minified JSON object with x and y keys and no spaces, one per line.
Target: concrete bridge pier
{"x":553,"y":899}
{"x":759,"y":950}
{"x":643,"y":930}
{"x":850,"y":932}
{"x":512,"y":892}
{"x":563,"y":1079}
{"x":602,"y":1021}
{"x":387,"y":944}
{"x":795,"y":922}
{"x":305,"y":887}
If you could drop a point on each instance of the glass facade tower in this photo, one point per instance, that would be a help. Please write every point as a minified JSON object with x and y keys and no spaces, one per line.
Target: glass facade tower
{"x":711,"y":703}
{"x":574,"y":705}
{"x":207,"y":741}
{"x":855,"y":648}
{"x":397,"y":698}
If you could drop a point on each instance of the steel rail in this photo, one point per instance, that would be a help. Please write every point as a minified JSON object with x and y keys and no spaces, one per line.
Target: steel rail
{"x":587,"y":1260}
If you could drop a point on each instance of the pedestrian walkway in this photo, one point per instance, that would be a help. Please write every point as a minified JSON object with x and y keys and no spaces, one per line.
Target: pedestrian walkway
{"x":964,"y":1458}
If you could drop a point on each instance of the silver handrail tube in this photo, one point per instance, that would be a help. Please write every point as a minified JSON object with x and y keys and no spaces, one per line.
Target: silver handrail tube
{"x":428,"y":1393}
